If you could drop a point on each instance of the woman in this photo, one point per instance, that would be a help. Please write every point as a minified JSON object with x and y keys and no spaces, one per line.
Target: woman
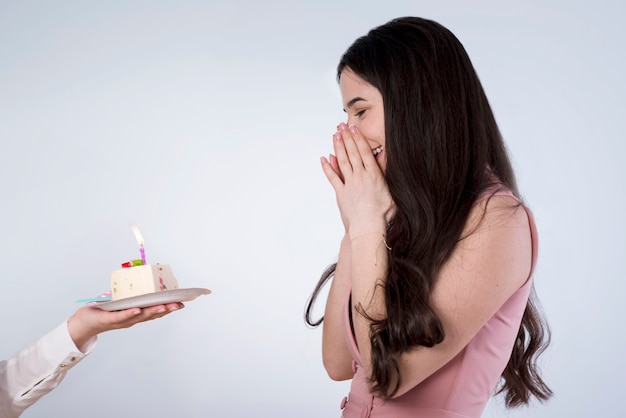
{"x":40,"y":366}
{"x":431,"y":303}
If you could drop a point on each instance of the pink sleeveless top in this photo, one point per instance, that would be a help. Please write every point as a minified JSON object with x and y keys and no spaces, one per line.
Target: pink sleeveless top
{"x":462,"y":387}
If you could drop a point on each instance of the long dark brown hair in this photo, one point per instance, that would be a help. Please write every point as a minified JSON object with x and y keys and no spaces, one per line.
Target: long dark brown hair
{"x":440,"y":135}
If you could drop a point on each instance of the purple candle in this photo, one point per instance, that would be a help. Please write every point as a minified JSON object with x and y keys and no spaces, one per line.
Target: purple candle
{"x":139,"y":239}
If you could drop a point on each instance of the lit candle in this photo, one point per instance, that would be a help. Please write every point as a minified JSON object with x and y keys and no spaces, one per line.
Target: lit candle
{"x":139,"y":239}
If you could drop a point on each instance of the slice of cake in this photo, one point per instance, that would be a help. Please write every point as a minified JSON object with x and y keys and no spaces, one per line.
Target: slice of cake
{"x":139,"y":280}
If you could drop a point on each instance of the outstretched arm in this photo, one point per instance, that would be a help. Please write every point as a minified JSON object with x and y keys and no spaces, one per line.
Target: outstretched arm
{"x":40,"y":366}
{"x":87,"y":322}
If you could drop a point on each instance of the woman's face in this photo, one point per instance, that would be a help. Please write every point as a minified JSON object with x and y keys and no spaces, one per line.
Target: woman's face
{"x":364,"y":105}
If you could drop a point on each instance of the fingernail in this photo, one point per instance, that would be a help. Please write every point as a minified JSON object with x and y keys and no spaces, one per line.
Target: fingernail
{"x":352,"y":128}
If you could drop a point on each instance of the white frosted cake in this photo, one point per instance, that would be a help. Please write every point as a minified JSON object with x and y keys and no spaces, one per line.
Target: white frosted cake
{"x":139,"y":280}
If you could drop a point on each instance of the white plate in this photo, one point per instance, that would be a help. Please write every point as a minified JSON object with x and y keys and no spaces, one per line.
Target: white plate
{"x":151,"y":299}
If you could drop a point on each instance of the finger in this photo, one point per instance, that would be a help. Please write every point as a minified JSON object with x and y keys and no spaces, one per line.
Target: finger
{"x":335,"y":165}
{"x":365,"y":151}
{"x":343,"y":161}
{"x":148,"y":314}
{"x":169,"y":308}
{"x":352,"y":151}
{"x":333,"y":178}
{"x":118,"y":317}
{"x":151,"y":311}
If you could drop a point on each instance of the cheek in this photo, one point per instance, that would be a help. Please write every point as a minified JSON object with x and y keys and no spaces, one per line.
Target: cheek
{"x":372,"y":130}
{"x":377,"y":128}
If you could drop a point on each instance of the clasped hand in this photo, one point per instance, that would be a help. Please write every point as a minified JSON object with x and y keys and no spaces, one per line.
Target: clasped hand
{"x":362,"y":195}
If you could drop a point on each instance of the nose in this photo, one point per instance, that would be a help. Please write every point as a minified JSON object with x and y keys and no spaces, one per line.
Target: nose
{"x":352,"y":121}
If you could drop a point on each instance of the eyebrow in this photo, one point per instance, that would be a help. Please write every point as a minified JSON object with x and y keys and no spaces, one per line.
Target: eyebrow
{"x":353,"y":101}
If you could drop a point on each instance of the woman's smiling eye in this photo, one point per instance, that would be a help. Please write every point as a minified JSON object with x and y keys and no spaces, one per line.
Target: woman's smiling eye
{"x":359,"y":113}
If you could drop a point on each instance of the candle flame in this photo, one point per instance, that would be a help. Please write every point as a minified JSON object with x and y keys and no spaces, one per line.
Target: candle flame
{"x":138,"y":235}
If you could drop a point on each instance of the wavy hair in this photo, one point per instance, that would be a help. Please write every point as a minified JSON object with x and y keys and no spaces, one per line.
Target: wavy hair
{"x":440,"y":136}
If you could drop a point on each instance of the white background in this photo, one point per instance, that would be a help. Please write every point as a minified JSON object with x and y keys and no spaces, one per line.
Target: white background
{"x":203,"y":123}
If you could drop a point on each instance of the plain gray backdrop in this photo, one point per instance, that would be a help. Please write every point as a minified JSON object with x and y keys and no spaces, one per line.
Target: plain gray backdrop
{"x":203,"y":122}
